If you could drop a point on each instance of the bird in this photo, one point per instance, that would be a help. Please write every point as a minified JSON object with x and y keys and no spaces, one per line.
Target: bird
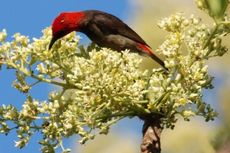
{"x":104,"y":29}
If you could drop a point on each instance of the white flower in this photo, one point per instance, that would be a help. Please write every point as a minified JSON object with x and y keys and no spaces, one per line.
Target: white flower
{"x":3,"y":35}
{"x":41,"y":68}
{"x":188,"y":113}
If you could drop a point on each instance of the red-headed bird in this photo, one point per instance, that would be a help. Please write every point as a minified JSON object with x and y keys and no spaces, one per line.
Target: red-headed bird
{"x":103,"y":29}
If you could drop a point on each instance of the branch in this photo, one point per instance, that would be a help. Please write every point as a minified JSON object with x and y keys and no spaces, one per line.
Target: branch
{"x":151,"y":136}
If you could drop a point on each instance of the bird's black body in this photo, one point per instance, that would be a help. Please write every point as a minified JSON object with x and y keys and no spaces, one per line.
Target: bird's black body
{"x":107,"y":30}
{"x":103,"y":29}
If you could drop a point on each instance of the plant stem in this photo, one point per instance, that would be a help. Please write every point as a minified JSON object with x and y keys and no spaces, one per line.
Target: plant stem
{"x":40,"y":79}
{"x":209,"y":39}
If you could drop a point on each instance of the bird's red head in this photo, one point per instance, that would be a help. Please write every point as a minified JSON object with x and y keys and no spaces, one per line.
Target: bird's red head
{"x":65,"y":23}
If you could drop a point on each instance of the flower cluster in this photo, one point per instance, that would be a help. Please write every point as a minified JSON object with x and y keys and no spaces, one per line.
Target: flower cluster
{"x":98,"y":86}
{"x":181,"y":91}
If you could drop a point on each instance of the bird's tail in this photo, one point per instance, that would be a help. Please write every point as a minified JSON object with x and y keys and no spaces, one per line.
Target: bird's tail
{"x":147,"y":50}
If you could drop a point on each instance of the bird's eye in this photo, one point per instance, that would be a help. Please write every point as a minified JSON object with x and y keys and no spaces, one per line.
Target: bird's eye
{"x":62,"y":21}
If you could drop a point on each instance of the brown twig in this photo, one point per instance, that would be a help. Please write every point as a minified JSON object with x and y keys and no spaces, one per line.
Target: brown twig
{"x":151,"y":136}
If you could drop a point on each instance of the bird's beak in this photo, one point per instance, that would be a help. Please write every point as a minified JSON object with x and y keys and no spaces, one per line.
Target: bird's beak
{"x":52,"y":42}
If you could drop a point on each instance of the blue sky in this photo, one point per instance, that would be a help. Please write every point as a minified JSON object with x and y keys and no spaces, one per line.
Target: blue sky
{"x":29,"y":18}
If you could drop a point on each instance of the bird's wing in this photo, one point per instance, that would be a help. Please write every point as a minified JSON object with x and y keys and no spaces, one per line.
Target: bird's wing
{"x":110,"y":24}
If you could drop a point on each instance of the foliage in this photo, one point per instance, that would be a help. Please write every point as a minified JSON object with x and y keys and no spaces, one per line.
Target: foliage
{"x":99,"y":87}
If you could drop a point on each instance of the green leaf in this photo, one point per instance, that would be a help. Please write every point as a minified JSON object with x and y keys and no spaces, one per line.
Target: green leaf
{"x":217,"y":8}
